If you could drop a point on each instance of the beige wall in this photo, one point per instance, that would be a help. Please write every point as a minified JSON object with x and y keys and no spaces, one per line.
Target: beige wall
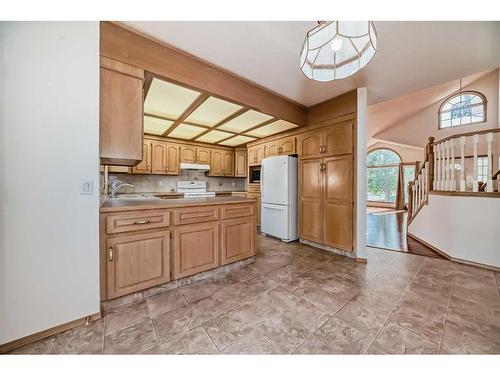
{"x":408,"y":154}
{"x":416,"y":129}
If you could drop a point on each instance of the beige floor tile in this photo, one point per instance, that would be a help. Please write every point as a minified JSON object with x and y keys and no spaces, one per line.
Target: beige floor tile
{"x":342,"y":337}
{"x":194,"y":341}
{"x":254,"y":342}
{"x":131,"y":340}
{"x":125,"y":316}
{"x":214,"y":305}
{"x":306,"y":314}
{"x":393,"y":339}
{"x":458,"y":339}
{"x":207,"y":287}
{"x":73,"y":339}
{"x":284,"y":331}
{"x":37,"y":347}
{"x":165,"y":302}
{"x":175,"y":322}
{"x":314,"y":345}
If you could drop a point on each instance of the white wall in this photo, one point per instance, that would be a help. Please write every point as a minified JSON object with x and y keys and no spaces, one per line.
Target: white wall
{"x":463,"y":227}
{"x":49,"y":141}
{"x":408,"y":154}
{"x":361,"y":193}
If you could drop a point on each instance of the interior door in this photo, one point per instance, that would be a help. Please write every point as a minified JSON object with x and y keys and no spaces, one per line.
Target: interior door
{"x":338,"y":202}
{"x":274,"y":180}
{"x":310,"y":196}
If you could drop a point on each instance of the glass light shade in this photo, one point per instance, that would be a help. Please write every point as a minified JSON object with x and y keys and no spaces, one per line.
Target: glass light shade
{"x":337,"y":49}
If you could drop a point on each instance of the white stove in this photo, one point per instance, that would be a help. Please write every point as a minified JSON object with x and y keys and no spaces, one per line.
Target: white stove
{"x":194,"y":189}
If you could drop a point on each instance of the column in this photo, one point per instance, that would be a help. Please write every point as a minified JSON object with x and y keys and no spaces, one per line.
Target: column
{"x":462,"y":163}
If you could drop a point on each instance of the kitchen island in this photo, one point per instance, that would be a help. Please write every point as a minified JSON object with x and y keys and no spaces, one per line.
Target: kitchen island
{"x":150,"y":242}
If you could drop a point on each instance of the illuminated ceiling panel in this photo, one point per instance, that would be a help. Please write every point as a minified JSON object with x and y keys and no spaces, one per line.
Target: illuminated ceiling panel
{"x":213,"y":136}
{"x":213,"y":111}
{"x":156,"y":126}
{"x":168,"y":100}
{"x":185,"y":131}
{"x":272,"y":128}
{"x":245,"y":121}
{"x":238,"y":140}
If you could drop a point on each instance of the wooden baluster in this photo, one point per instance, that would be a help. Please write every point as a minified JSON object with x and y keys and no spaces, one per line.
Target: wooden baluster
{"x":489,"y":184}
{"x":435,"y":185}
{"x":462,"y":163}
{"x":410,"y":199}
{"x":430,"y":159}
{"x":419,"y":195}
{"x":475,"y":141}
{"x":453,"y":184}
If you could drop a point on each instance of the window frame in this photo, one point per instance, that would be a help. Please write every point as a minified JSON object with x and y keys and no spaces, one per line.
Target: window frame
{"x":450,"y":97}
{"x":382,"y":166}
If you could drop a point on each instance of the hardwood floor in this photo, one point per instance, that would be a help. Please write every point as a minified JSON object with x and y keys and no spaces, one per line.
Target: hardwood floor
{"x":386,"y":229}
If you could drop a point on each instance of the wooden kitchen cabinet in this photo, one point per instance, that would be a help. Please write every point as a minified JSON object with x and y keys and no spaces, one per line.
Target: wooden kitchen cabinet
{"x":216,"y":161}
{"x":240,"y":163}
{"x":310,"y":205}
{"x":136,"y":262}
{"x":120,"y":113}
{"x":188,"y":154}
{"x":228,"y":163}
{"x":144,"y":166}
{"x":238,"y":239}
{"x":255,"y":155}
{"x":202,"y":155}
{"x":196,"y":248}
{"x":330,"y":141}
{"x":284,"y":146}
{"x":258,"y":209}
{"x":164,"y":158}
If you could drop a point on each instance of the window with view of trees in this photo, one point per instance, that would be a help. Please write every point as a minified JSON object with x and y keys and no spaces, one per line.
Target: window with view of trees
{"x":464,"y":108}
{"x":382,"y":176}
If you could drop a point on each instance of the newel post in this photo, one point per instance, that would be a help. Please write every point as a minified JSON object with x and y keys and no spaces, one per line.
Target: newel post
{"x":410,"y":199}
{"x":429,"y":150}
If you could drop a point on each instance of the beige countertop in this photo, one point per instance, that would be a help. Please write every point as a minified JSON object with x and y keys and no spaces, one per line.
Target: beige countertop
{"x":118,"y":204}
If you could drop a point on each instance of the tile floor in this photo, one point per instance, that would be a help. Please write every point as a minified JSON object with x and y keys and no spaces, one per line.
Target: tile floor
{"x":295,"y":299}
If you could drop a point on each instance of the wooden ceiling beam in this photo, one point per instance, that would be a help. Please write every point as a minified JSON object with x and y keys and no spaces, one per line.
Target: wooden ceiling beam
{"x":148,"y":79}
{"x":130,"y":46}
{"x":222,"y":122}
{"x":199,"y":101}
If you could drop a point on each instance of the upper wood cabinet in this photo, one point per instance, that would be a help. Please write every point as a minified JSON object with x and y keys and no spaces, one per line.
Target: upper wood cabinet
{"x":188,"y":154}
{"x":120,"y":113}
{"x":202,"y":155}
{"x":283,"y":146}
{"x":216,"y":160}
{"x":228,"y":163}
{"x":255,"y":155}
{"x":136,"y":262}
{"x":334,"y":140}
{"x":165,"y":158}
{"x":240,"y":163}
{"x":144,"y":166}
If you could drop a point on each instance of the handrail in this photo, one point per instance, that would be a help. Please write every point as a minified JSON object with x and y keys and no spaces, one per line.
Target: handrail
{"x":468,"y":134}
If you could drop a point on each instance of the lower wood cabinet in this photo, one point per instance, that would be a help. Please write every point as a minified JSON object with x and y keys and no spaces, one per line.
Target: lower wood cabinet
{"x":258,"y":209}
{"x":136,"y":262}
{"x":196,"y":249}
{"x":238,"y":239}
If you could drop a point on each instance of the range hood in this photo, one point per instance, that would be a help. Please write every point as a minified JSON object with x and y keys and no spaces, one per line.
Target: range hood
{"x":198,"y":167}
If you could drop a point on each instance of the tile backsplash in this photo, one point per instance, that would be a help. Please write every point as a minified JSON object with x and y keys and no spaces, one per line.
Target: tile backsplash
{"x":160,"y":183}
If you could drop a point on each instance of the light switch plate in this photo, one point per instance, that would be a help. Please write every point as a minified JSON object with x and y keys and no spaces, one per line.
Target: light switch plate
{"x":86,"y":187}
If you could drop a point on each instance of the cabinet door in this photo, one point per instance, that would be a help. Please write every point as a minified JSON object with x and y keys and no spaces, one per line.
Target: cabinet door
{"x":120,"y":114}
{"x":137,"y":262}
{"x":188,"y":154}
{"x":240,"y":164}
{"x":228,"y":163}
{"x":216,"y":161}
{"x":287,"y":146}
{"x":338,"y":139}
{"x":272,"y":148}
{"x":145,"y":165}
{"x":195,"y":249}
{"x":202,"y":155}
{"x":173,"y":165}
{"x":252,"y":156}
{"x":309,"y":144}
{"x":238,"y":239}
{"x":310,"y":207}
{"x":338,"y":202}
{"x":158,"y":158}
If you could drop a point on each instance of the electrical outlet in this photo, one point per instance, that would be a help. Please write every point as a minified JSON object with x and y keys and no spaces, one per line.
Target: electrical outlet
{"x":86,"y":187}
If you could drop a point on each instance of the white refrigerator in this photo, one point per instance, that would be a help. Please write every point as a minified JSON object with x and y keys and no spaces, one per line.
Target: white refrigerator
{"x":278,"y":186}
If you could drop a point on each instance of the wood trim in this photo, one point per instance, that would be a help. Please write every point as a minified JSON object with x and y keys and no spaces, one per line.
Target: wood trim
{"x":132,"y":47}
{"x":361,"y":260}
{"x":429,"y":245}
{"x":451,"y":96}
{"x":468,"y":134}
{"x":122,"y":68}
{"x":199,"y":101}
{"x":7,"y":347}
{"x":183,"y":142}
{"x":333,"y":108}
{"x":479,"y":194}
{"x":222,"y":122}
{"x":148,"y":80}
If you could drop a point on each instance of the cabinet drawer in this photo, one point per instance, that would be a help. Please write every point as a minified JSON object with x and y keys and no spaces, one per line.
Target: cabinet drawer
{"x":192,"y":215}
{"x":254,"y":188}
{"x":128,"y":222}
{"x":234,"y":211}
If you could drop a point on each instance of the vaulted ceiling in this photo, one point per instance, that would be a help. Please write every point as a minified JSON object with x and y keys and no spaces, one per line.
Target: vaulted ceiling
{"x":412,"y":55}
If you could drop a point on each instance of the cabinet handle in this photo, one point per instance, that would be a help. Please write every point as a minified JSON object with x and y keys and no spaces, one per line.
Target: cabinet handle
{"x":139,"y":222}
{"x":110,"y":254}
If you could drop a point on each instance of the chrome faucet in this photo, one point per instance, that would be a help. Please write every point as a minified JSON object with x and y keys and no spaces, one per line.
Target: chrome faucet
{"x":117,"y":185}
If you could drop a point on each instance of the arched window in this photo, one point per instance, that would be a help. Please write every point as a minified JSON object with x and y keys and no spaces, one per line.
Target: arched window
{"x":467,"y":107}
{"x":382,"y":176}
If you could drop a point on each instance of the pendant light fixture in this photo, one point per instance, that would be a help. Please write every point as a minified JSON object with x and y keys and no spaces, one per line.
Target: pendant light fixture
{"x":337,"y":49}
